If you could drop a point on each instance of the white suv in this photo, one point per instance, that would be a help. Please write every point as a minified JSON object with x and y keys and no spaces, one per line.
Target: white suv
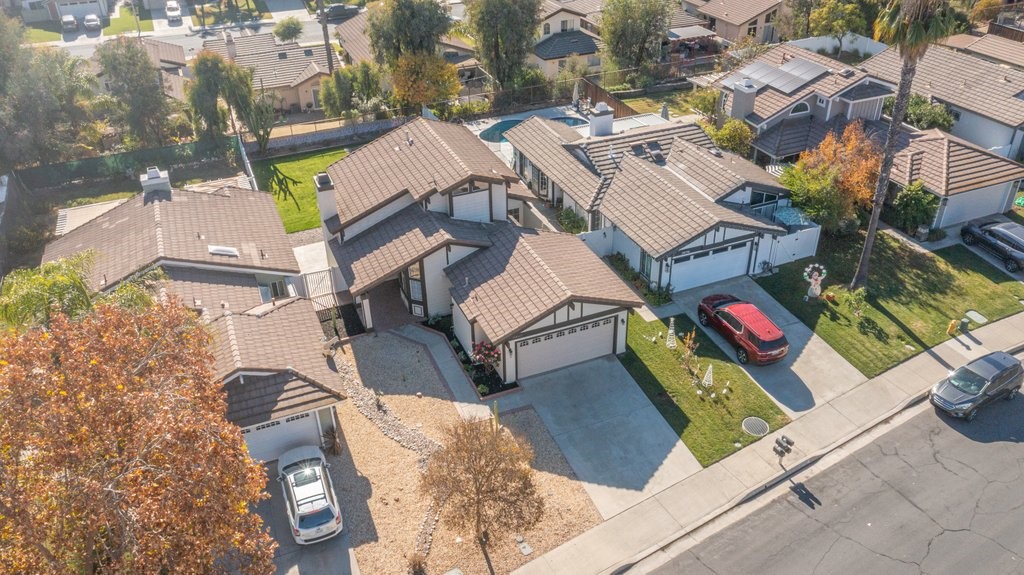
{"x":313,"y":511}
{"x":173,"y":10}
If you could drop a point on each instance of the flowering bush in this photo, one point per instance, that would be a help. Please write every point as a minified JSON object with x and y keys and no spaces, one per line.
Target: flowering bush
{"x":486,"y":353}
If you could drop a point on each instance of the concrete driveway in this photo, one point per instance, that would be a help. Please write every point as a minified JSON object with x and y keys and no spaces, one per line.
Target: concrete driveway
{"x":334,"y":555}
{"x":813,"y":373}
{"x":617,"y":443}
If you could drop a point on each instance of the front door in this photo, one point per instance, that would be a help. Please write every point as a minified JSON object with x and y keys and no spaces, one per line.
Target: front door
{"x":316,"y":98}
{"x":415,"y":290}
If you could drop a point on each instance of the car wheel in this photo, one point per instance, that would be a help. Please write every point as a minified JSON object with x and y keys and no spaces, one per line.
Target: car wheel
{"x":741,"y":355}
{"x":1011,"y":265}
{"x":702,"y":317}
{"x":1011,"y":394}
{"x":969,"y":239}
{"x":972,"y":415}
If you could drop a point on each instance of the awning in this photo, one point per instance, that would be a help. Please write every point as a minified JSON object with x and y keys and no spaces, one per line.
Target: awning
{"x":689,"y":33}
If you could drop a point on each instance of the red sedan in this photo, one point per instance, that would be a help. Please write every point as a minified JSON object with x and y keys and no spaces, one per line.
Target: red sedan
{"x":753,"y":335}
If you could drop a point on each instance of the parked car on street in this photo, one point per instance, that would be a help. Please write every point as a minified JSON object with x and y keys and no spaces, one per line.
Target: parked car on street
{"x":745,"y":327}
{"x":1004,"y":240}
{"x":964,"y":391}
{"x":68,"y":23}
{"x":173,"y":11}
{"x":338,"y":12}
{"x":313,"y":511}
{"x":92,"y":22}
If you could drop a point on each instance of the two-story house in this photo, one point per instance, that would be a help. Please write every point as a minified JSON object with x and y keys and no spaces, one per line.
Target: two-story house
{"x":683,"y":213}
{"x":565,"y":32}
{"x":417,"y":225}
{"x":225,"y":255}
{"x":736,"y":19}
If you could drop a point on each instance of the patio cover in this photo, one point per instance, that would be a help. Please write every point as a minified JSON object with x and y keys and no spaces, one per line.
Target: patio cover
{"x":688,"y":33}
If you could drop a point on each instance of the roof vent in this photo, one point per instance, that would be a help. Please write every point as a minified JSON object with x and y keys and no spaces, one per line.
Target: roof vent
{"x":716,"y":152}
{"x":307,"y":52}
{"x":323,"y":181}
{"x":846,"y":72}
{"x":408,"y":137}
{"x":223,"y":251}
{"x":282,"y":55}
{"x":746,"y":83}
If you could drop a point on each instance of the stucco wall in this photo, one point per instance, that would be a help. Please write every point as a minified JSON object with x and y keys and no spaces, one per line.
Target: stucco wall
{"x":983,"y":132}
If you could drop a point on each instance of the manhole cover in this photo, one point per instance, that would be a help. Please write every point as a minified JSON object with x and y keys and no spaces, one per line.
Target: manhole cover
{"x":976,"y":317}
{"x":755,"y":426}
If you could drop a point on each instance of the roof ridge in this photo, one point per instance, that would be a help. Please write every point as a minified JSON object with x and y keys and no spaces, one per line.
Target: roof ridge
{"x":236,"y":354}
{"x":159,"y":229}
{"x":316,"y":383}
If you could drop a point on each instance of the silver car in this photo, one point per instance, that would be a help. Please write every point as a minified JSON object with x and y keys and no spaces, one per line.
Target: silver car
{"x":967,"y":389}
{"x":313,"y":511}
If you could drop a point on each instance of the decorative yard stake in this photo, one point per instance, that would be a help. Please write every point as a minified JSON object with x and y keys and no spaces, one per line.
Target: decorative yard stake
{"x":709,"y":379}
{"x":670,"y":341}
{"x":814,"y":274}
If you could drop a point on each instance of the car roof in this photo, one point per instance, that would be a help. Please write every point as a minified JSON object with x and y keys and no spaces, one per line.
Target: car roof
{"x":755,"y":320}
{"x":1014,"y":229}
{"x":67,"y":17}
{"x":989,"y":365}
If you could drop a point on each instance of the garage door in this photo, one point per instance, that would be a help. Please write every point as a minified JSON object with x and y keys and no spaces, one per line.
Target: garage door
{"x":565,"y":347}
{"x":80,"y":9}
{"x":709,"y":266}
{"x":970,"y":205}
{"x":267,"y":441}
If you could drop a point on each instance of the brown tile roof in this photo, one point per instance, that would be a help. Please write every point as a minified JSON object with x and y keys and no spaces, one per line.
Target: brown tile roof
{"x":949,"y":165}
{"x":254,"y":43}
{"x":262,"y":398}
{"x":174,"y":85}
{"x":441,"y":156}
{"x":550,"y":7}
{"x":353,"y":38}
{"x":664,"y":135}
{"x":771,"y":101}
{"x":286,"y":64}
{"x":526,"y":275}
{"x":545,"y":143}
{"x":718,"y":175}
{"x":271,"y":338}
{"x":215,"y":291}
{"x":794,"y":135}
{"x":395,"y":243}
{"x":737,"y":11}
{"x":180,"y":226}
{"x":962,"y":80}
{"x":164,"y":54}
{"x":990,"y":46}
{"x":681,"y":19}
{"x":662,"y":208}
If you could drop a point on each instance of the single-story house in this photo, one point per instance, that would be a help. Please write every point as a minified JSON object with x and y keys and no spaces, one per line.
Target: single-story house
{"x":983,"y":96}
{"x":990,"y":47}
{"x":683,"y":213}
{"x":405,"y":212}
{"x":224,"y":254}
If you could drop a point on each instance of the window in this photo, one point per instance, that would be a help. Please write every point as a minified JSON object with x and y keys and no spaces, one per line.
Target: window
{"x":821,"y":101}
{"x":35,"y":5}
{"x":752,"y":28}
{"x":770,"y":17}
{"x":547,"y":28}
{"x":561,"y":64}
{"x":730,"y":320}
{"x":595,"y":220}
{"x":415,"y":282}
{"x":646,"y":264}
{"x":593,"y":60}
{"x":272,"y":289}
{"x":801,"y":108}
{"x":565,"y":25}
{"x":758,"y":198}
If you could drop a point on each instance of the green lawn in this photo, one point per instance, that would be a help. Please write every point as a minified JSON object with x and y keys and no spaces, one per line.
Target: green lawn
{"x":42,"y":32}
{"x":911,"y":298}
{"x":678,"y":102}
{"x":709,"y":428}
{"x":125,"y":23}
{"x":290,"y":179}
{"x":228,"y":11}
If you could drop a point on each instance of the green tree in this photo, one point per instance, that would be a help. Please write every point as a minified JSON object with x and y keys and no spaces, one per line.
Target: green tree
{"x":366,"y":81}
{"x":260,"y":119}
{"x":815,"y":191}
{"x":911,"y":26}
{"x":924,"y":115}
{"x":136,"y":84}
{"x":236,"y":89}
{"x":505,"y":31}
{"x":288,"y":29}
{"x":424,"y":79}
{"x":705,"y":101}
{"x":985,"y":10}
{"x":914,"y":206}
{"x":12,"y":54}
{"x":29,"y":296}
{"x":632,"y":31}
{"x":836,"y":18}
{"x":793,"y":19}
{"x":406,"y":27}
{"x":336,"y":93}
{"x":574,"y":69}
{"x":208,"y":71}
{"x":735,"y":136}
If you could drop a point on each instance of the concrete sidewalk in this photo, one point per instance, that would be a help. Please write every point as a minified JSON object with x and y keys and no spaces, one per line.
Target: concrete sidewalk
{"x":657,"y":521}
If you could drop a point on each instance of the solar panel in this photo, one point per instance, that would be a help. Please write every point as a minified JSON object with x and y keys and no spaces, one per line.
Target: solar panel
{"x":804,"y":69}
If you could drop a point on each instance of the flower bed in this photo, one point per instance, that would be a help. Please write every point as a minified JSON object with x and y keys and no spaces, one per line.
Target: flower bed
{"x":654,"y":297}
{"x":479,"y":365}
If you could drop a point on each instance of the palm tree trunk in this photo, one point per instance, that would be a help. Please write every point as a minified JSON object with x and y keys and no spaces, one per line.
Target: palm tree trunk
{"x":899,"y":109}
{"x":327,"y":37}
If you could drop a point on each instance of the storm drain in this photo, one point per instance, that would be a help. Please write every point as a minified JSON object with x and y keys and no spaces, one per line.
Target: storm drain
{"x":755,"y":426}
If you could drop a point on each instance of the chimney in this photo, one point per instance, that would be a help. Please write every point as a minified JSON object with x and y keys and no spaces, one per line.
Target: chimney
{"x":743,"y":95}
{"x":323,"y":182}
{"x":229,"y":41}
{"x":155,"y":180}
{"x":601,"y":120}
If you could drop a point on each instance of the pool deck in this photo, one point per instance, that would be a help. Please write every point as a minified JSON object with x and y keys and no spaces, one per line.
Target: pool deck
{"x":504,"y":149}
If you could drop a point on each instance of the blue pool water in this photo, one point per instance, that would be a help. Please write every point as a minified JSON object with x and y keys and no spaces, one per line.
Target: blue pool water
{"x":496,"y":133}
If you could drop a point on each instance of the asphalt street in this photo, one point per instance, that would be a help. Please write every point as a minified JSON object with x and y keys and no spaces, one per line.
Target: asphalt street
{"x":934,"y":495}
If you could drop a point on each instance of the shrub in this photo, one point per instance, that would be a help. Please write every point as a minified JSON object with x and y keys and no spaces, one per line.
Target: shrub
{"x":936,"y":234}
{"x":913,"y":206}
{"x":571,"y":222}
{"x":734,"y":136}
{"x":658,"y":297}
{"x":288,"y":29}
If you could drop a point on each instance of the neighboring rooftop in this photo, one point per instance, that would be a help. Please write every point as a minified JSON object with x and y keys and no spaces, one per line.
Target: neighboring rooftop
{"x":419,"y":158}
{"x":262,"y":398}
{"x":563,"y":44}
{"x":286,"y":64}
{"x":962,"y":80}
{"x":550,"y":7}
{"x":251,"y":44}
{"x":214,"y":292}
{"x":682,"y":19}
{"x":352,"y":36}
{"x":181,"y":226}
{"x":737,"y":12}
{"x":992,"y":47}
{"x":948,"y":165}
{"x":526,"y":275}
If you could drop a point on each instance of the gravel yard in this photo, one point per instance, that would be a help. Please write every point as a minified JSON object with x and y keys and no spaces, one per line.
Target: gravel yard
{"x":383,"y":505}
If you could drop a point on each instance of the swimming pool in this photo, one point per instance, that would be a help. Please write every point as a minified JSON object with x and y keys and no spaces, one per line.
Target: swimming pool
{"x":496,"y":133}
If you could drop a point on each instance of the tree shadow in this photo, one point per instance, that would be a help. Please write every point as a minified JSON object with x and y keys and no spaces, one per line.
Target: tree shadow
{"x":868,"y":326}
{"x":280,"y":184}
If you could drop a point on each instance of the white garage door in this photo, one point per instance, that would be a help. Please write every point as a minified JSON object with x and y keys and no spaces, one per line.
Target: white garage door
{"x":474,"y":206}
{"x":710,"y":266}
{"x":967,"y":206}
{"x":267,"y":441}
{"x":80,"y":9}
{"x":564,"y":347}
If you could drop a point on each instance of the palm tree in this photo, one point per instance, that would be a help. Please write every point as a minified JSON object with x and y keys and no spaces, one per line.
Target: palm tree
{"x":912,"y":26}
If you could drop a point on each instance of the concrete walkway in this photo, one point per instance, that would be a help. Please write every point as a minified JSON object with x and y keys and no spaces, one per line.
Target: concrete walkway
{"x":670,"y":514}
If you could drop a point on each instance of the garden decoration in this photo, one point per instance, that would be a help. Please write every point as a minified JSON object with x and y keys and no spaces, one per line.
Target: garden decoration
{"x":486,"y":353}
{"x":709,"y":379}
{"x":814,"y":274}
{"x":670,"y":341}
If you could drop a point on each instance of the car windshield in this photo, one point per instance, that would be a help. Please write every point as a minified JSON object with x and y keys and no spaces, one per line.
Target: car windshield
{"x":316,"y":518}
{"x":967,"y":381}
{"x":305,"y":477}
{"x":769,"y":345}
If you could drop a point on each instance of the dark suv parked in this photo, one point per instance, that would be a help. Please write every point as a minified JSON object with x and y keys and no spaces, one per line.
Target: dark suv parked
{"x":1003,"y":240}
{"x":965,"y":390}
{"x":338,"y":12}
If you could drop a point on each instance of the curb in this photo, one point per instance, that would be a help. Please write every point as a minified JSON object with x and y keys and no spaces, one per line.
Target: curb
{"x":624,"y":566}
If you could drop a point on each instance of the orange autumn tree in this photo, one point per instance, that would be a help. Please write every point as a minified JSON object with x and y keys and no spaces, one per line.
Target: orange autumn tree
{"x":115,"y":454}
